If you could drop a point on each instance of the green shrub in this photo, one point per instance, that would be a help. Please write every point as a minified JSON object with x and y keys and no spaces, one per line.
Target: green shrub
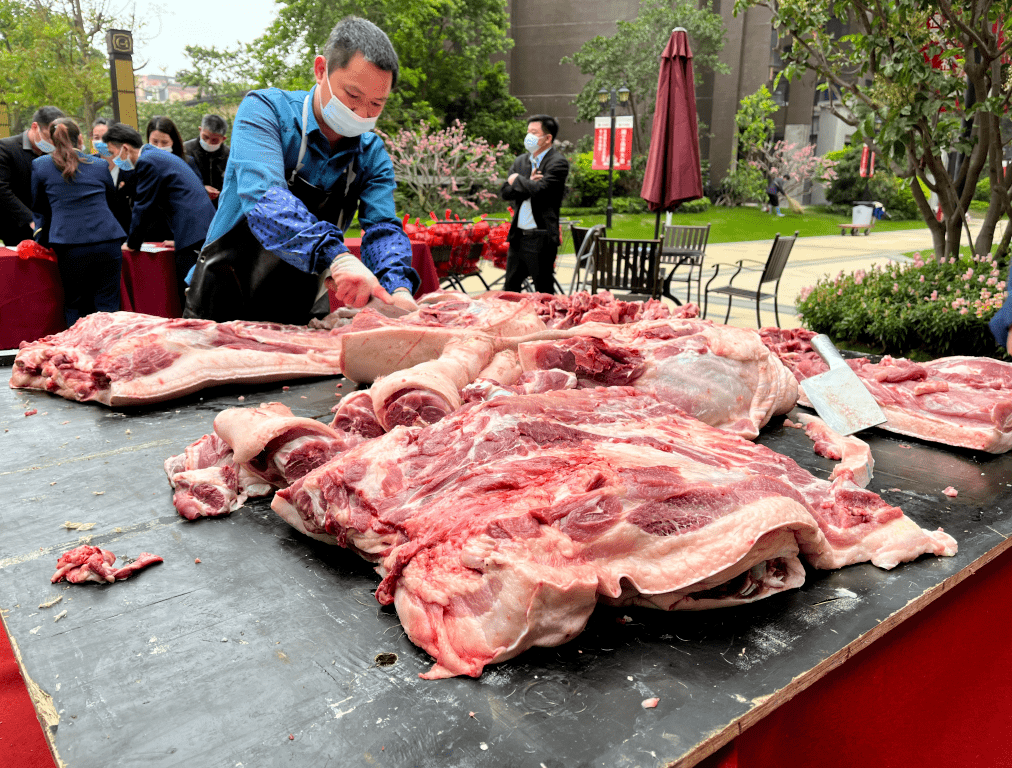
{"x":621,"y":205}
{"x":586,"y":185}
{"x":744,"y":184}
{"x":890,"y":190}
{"x":939,"y":309}
{"x":983,"y":190}
{"x":695,"y":206}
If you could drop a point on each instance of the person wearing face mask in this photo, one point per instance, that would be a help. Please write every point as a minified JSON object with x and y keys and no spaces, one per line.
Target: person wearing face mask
{"x":122,"y":181}
{"x":210,"y":152}
{"x":71,"y":196}
{"x":16,"y":156}
{"x":163,"y":134}
{"x":165,"y":189}
{"x":301,"y":165}
{"x":535,"y":185}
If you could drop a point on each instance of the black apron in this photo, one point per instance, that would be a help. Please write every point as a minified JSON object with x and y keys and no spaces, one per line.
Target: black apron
{"x":236,"y":278}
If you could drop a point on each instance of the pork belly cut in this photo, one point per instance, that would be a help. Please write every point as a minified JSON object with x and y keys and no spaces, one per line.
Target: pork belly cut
{"x":88,"y":563}
{"x":960,"y":401}
{"x":854,"y":455}
{"x":502,"y":525}
{"x":125,"y":358}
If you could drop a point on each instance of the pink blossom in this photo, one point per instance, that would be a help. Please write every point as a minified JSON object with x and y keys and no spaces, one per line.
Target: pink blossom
{"x":963,"y":311}
{"x":921,"y":279}
{"x":934,"y":295}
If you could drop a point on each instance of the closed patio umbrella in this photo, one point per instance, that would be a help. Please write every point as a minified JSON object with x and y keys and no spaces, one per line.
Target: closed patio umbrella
{"x":673,"y":175}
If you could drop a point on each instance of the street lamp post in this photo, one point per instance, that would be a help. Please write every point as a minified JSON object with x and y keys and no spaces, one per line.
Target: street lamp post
{"x":608,"y":96}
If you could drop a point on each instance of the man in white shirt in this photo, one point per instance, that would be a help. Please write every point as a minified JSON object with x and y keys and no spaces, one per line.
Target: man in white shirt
{"x":535,"y":185}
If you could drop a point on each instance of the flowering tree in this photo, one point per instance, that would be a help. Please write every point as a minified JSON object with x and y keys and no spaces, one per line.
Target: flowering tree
{"x":444,"y":167}
{"x":794,"y":164}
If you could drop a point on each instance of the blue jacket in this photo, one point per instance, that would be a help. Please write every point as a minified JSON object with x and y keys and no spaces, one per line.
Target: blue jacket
{"x":77,"y":211}
{"x":165,"y":185}
{"x":266,"y":136}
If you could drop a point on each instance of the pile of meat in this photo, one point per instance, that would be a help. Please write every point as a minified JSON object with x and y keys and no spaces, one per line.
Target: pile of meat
{"x":505,"y":476}
{"x":959,"y":401}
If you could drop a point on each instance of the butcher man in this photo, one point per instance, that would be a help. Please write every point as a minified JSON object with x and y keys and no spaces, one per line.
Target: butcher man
{"x":301,"y":165}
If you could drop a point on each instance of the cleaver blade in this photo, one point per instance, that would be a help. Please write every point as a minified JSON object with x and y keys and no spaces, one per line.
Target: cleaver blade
{"x":839,"y":397}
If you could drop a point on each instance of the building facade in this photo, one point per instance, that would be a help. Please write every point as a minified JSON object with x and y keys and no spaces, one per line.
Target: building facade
{"x":544,"y":33}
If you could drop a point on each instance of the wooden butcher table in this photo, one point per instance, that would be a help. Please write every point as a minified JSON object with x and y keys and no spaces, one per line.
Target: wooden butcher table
{"x":273,"y":651}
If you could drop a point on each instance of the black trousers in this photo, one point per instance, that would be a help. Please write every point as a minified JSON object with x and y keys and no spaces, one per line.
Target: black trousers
{"x":185,"y":259}
{"x":531,"y":254}
{"x":90,"y":274}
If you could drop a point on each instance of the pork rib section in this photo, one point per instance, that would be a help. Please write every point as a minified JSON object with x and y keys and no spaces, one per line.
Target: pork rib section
{"x":500,"y":527}
{"x":125,"y":358}
{"x":960,"y":401}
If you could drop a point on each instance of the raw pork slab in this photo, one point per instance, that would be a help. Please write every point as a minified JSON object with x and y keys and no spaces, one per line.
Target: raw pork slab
{"x":723,"y":376}
{"x":125,"y":358}
{"x":854,"y":455}
{"x":499,"y":527}
{"x":960,"y":401}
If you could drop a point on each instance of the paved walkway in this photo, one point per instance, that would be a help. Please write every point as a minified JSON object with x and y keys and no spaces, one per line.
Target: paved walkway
{"x":810,"y":259}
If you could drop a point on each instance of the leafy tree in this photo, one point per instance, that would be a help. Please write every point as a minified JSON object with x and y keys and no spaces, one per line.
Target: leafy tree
{"x":920,"y":82}
{"x":447,"y":49}
{"x":220,"y":76}
{"x":53,"y":52}
{"x":631,"y":57}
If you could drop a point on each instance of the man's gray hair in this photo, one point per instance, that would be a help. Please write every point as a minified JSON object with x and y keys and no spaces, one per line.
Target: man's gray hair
{"x":214,"y":124}
{"x":355,"y":35}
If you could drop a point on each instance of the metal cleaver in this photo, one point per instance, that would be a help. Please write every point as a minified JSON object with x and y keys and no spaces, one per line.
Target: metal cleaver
{"x":838,"y":395}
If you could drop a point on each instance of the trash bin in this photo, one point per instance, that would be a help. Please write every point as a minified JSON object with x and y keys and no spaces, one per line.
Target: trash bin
{"x":861,"y":213}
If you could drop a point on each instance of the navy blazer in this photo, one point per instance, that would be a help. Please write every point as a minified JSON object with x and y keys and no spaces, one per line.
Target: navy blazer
{"x":76,"y":211}
{"x":166,"y":186}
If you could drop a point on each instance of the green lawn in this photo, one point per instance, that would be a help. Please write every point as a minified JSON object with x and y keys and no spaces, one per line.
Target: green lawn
{"x":736,"y":224}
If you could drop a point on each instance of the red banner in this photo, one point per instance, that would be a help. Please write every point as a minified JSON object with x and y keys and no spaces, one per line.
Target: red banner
{"x":867,"y":162}
{"x":623,"y":143}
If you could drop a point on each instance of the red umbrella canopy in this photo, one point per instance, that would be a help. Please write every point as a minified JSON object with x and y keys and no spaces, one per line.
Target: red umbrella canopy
{"x":673,"y":175}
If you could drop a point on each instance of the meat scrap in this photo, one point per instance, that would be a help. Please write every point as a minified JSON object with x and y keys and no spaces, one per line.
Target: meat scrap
{"x":87,"y":563}
{"x":501,"y":526}
{"x":126,"y":358}
{"x":960,"y":401}
{"x":950,"y":492}
{"x":854,"y":455}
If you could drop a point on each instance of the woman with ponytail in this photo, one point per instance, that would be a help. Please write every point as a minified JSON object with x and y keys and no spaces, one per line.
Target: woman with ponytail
{"x":72,"y":195}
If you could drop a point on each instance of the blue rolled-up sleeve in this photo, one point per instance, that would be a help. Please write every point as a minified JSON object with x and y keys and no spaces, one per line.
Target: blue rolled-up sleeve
{"x":286,"y":228}
{"x":386,"y":250}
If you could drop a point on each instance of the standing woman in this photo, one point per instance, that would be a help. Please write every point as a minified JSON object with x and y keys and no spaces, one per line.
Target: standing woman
{"x":72,"y":194}
{"x":162,"y":133}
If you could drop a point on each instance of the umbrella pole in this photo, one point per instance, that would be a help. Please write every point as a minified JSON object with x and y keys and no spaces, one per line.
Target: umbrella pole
{"x":657,"y":226}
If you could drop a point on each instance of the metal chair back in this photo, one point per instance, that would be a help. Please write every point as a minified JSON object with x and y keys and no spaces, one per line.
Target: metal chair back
{"x":583,"y":243}
{"x":681,"y":241}
{"x":628,"y":266}
{"x":777,"y":259}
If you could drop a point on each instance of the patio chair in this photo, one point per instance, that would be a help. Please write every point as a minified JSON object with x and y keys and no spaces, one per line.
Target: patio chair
{"x":684,"y":246}
{"x":629,"y":266}
{"x":770,"y":271}
{"x":583,"y":247}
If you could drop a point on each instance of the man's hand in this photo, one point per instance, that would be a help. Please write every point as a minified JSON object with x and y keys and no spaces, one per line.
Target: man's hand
{"x":402,"y":298}
{"x":212,"y":192}
{"x":511,"y":178}
{"x":354,"y":283}
{"x":536,"y":175}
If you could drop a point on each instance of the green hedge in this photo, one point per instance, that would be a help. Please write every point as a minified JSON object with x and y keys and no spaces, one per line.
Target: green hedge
{"x":936,"y":309}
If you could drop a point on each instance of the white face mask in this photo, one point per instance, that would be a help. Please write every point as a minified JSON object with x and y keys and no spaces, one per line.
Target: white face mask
{"x":531,"y":143}
{"x":166,"y":149}
{"x":340,"y":119}
{"x":44,"y":145}
{"x":208,"y":147}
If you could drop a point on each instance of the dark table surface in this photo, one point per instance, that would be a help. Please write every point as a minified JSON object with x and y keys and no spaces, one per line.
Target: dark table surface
{"x":266,"y":652}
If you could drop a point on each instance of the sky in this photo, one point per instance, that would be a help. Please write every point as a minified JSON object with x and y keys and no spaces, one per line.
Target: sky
{"x":196,"y":22}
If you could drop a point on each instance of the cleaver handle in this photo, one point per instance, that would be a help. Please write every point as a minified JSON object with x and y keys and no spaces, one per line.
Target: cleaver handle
{"x":828,"y":351}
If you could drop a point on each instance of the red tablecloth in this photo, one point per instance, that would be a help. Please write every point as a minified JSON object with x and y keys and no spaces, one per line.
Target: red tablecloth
{"x":31,"y":299}
{"x":148,"y":283}
{"x":421,"y":261}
